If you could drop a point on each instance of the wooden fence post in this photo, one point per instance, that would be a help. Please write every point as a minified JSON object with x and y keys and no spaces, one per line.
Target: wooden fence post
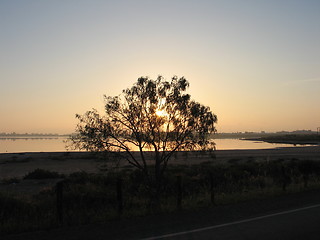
{"x":285,"y":179}
{"x":179,"y":192}
{"x":212,"y":189}
{"x":59,"y":190}
{"x":119,"y":195}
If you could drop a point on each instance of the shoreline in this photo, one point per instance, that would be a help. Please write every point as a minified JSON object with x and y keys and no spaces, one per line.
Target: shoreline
{"x":280,"y":141}
{"x":19,"y":164}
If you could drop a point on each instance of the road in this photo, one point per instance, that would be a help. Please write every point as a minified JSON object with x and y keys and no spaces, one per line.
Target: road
{"x":301,"y":223}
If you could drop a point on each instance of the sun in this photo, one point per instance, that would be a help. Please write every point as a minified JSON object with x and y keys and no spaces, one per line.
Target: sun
{"x":161,"y":113}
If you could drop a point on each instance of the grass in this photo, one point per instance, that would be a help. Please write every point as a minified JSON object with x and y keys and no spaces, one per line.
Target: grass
{"x":91,"y":198}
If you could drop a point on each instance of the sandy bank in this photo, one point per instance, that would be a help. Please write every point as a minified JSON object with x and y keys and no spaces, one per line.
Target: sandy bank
{"x":19,"y":164}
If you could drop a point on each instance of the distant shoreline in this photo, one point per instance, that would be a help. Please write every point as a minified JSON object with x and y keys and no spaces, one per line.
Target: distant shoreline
{"x":284,"y":141}
{"x":32,"y":136}
{"x":295,"y":139}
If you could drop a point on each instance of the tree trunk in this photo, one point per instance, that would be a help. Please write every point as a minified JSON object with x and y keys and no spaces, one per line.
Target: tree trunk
{"x":156,"y":185}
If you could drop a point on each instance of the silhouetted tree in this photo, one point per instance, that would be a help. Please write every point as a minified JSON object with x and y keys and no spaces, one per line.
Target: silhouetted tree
{"x":153,"y":115}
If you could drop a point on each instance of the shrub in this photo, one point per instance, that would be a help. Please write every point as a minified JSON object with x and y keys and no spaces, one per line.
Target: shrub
{"x":42,"y":174}
{"x":10,"y":180}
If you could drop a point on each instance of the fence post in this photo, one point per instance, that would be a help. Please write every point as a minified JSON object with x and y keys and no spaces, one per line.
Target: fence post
{"x":119,"y":195}
{"x":59,"y":190}
{"x":212,"y":189}
{"x":179,"y":192}
{"x":285,"y":179}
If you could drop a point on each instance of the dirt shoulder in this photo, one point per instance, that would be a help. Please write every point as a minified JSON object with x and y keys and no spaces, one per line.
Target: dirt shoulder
{"x":19,"y":164}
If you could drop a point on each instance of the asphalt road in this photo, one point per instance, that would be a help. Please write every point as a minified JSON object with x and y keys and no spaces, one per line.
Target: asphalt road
{"x":302,"y":223}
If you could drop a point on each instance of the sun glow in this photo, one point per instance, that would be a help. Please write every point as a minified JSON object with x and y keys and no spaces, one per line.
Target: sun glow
{"x":161,"y":113}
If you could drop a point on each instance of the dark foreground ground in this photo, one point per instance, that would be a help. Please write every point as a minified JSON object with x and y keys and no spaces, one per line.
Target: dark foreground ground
{"x":17,"y":165}
{"x":158,"y":225}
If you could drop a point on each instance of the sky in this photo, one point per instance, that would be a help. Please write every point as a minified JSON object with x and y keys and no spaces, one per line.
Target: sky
{"x":255,"y":63}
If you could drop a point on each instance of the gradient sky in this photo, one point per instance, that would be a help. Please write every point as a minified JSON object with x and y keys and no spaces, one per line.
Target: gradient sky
{"x":255,"y":63}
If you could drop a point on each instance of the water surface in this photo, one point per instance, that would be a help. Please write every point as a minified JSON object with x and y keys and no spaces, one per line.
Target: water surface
{"x":57,"y":144}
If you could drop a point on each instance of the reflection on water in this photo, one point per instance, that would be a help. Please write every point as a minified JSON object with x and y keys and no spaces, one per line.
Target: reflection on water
{"x":12,"y":145}
{"x":58,"y":145}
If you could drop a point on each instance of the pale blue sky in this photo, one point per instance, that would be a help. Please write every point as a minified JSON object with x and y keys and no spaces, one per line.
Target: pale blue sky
{"x":255,"y":63}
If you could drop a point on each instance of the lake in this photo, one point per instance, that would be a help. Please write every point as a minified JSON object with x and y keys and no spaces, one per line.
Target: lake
{"x":57,"y":144}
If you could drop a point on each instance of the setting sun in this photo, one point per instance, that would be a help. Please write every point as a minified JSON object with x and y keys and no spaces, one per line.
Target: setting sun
{"x":161,"y":113}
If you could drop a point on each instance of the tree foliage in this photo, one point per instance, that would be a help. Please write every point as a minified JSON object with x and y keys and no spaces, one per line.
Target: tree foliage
{"x":153,"y":115}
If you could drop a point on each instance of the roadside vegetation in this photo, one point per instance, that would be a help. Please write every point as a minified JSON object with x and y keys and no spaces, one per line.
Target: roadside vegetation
{"x":83,"y":198}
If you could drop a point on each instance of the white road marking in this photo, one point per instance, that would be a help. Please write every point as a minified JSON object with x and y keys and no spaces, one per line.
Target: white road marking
{"x":232,"y":223}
